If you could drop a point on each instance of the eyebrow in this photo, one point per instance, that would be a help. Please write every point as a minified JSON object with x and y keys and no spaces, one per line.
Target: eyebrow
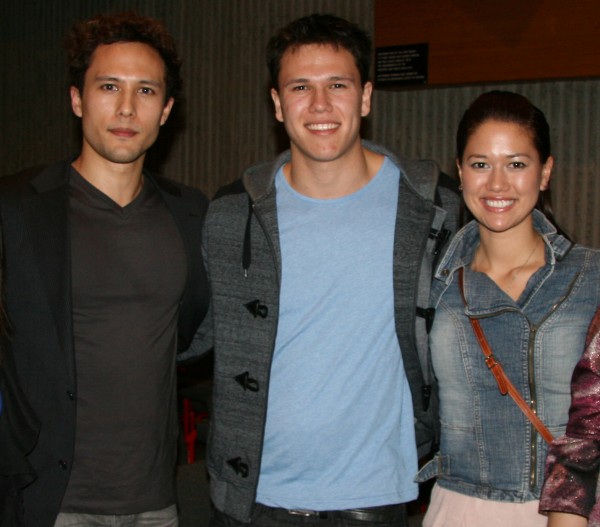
{"x":108,"y":78}
{"x":510,"y":156}
{"x":519,"y":154}
{"x":302,"y":80}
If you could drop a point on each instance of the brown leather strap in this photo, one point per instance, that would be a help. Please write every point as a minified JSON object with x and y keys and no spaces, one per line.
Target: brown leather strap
{"x":504,"y":384}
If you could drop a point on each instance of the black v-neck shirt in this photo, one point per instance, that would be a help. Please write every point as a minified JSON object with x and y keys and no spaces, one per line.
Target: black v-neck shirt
{"x":128,"y":275}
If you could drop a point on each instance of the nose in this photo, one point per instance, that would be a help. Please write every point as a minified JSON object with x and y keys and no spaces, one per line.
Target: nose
{"x":126,"y":105}
{"x":498,"y":180}
{"x":320,"y":100}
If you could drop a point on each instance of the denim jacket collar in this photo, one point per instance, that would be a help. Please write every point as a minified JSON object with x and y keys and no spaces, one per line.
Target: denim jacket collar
{"x":462,"y":248}
{"x":460,"y":254}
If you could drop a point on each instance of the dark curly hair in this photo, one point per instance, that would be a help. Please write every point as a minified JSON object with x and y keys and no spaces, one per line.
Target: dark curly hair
{"x":87,"y":35}
{"x":321,"y":29}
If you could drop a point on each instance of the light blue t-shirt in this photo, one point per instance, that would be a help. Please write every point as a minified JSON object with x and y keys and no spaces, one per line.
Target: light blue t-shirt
{"x":339,"y":430}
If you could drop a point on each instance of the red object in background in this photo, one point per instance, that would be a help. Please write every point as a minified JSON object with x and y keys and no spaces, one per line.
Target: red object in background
{"x":191,"y":419}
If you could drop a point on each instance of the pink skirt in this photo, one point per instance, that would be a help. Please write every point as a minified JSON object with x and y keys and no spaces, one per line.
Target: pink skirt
{"x":452,"y":509}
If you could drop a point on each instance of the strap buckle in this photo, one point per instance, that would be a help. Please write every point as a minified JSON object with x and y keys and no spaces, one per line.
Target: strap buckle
{"x":496,"y":368}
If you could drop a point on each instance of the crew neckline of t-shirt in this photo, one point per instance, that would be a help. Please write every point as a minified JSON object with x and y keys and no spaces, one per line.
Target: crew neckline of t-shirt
{"x":283,"y":183}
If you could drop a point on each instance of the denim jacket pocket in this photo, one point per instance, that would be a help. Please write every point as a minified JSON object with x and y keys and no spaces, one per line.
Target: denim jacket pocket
{"x":438,"y":466}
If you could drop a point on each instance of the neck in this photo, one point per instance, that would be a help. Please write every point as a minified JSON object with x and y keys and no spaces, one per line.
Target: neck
{"x":509,"y":259}
{"x":120,"y":182}
{"x":505,"y":250}
{"x":332,"y":179}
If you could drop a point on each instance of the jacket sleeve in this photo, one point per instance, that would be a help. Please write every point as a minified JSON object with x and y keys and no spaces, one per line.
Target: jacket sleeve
{"x":202,"y":341}
{"x":571,"y":476}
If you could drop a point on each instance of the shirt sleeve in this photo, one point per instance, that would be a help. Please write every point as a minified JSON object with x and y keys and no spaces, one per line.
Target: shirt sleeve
{"x":571,"y":475}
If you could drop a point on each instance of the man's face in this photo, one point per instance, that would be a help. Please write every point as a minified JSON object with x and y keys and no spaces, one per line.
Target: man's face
{"x":122,"y":106}
{"x":320,"y":100}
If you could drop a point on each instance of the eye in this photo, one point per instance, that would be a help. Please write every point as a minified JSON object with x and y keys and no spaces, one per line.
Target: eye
{"x":300,"y":87}
{"x":478,"y":165}
{"x":518,"y":164}
{"x":147,"y":91}
{"x":338,"y":85}
{"x":109,"y":87}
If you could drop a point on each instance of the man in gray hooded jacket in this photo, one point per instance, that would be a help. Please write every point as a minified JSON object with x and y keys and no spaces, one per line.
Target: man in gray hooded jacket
{"x":319,"y":265}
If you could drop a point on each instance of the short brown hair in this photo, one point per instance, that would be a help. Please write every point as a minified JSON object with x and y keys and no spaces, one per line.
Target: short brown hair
{"x":323,"y":29}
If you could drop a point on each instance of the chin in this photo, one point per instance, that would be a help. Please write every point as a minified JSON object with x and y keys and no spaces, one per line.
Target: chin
{"x":125,"y":158}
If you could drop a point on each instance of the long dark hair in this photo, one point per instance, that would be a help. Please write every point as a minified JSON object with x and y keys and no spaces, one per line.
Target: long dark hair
{"x":510,"y":107}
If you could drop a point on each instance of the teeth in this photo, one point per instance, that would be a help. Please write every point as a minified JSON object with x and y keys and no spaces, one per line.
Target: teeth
{"x":499,"y":203}
{"x":323,"y":126}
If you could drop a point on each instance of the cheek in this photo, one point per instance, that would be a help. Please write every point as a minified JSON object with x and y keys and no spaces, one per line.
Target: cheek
{"x":471,"y":201}
{"x":470,"y":182}
{"x":95,"y":110}
{"x":471,"y":190}
{"x":291,"y":111}
{"x":529,"y":184}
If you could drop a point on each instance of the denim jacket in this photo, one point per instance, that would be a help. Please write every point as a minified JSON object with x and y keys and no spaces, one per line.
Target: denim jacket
{"x":488,"y":448}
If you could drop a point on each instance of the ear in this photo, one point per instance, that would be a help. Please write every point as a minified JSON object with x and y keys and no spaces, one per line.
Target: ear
{"x":546,"y":173}
{"x":459,"y":170}
{"x":365,"y":108}
{"x":167,"y":111}
{"x":277,"y":103}
{"x":76,"y":101}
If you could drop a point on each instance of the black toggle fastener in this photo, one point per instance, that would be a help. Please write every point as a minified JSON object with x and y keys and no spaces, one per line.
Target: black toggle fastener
{"x":247,"y":382}
{"x":257,"y":309}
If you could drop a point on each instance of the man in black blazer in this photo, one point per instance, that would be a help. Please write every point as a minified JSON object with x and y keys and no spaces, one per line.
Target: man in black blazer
{"x":104,"y":282}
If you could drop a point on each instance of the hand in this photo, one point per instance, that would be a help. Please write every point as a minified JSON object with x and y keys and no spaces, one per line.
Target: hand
{"x":564,"y":519}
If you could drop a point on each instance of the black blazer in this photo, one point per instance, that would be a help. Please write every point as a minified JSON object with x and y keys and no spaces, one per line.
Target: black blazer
{"x":34,"y":208}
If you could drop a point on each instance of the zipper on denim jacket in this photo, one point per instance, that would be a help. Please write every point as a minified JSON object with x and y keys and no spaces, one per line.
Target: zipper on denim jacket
{"x":533,"y":404}
{"x":533,"y":479}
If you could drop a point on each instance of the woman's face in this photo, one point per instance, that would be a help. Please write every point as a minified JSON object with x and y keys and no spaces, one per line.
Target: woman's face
{"x":502,"y":175}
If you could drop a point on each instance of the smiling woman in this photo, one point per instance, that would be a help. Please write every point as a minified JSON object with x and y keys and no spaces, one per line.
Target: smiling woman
{"x":504,"y":164}
{"x":533,"y":293}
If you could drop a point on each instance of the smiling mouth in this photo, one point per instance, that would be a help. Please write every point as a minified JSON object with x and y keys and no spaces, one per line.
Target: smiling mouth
{"x":499,"y":203}
{"x":318,"y":127}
